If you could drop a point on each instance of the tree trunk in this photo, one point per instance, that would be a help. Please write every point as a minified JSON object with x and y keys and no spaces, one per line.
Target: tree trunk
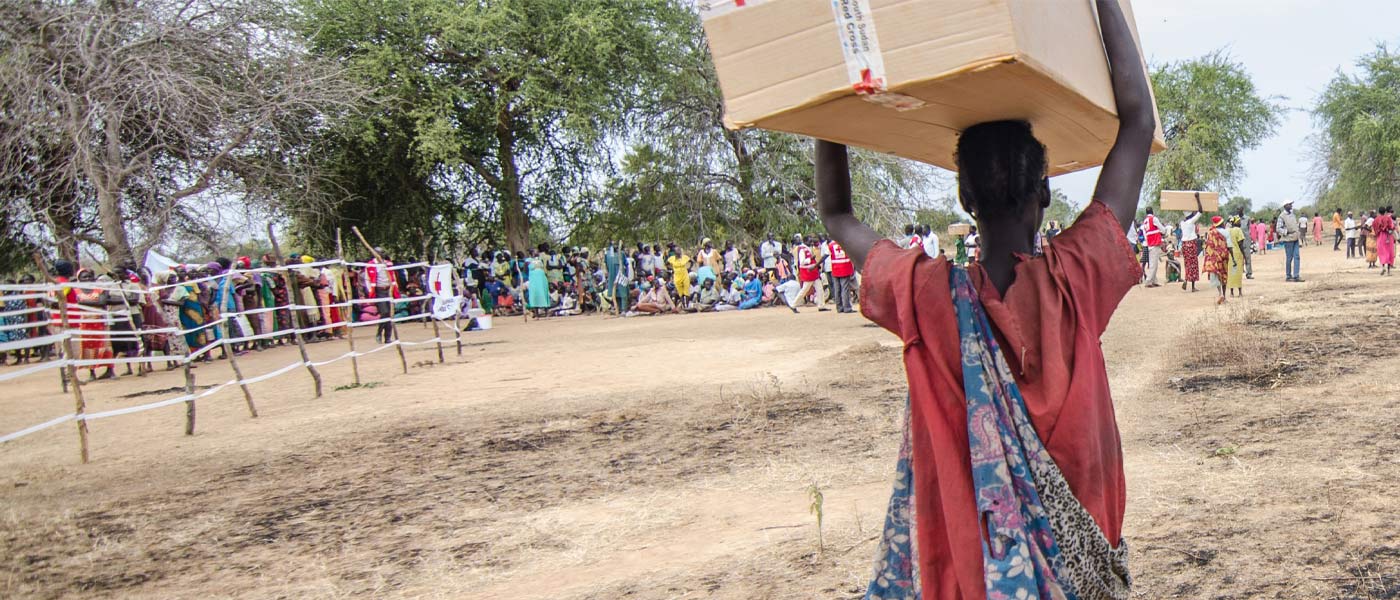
{"x":63,"y":220}
{"x":750,"y":210}
{"x":109,"y":218}
{"x":515,"y":220}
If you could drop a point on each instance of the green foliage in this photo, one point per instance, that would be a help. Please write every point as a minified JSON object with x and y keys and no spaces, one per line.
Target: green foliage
{"x":1061,"y":209}
{"x":1211,"y":114}
{"x":1237,"y":205}
{"x":501,"y":109}
{"x":1359,"y":117}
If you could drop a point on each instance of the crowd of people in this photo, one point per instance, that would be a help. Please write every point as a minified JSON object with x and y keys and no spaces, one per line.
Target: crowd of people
{"x":189,"y":310}
{"x":641,"y":279}
{"x":1221,"y":249}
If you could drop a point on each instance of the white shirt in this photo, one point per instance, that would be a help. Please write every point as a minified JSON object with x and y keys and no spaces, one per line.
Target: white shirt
{"x":769,"y":252}
{"x":931,"y":245}
{"x":1132,"y":234}
{"x":1350,"y":225}
{"x":1188,"y":228}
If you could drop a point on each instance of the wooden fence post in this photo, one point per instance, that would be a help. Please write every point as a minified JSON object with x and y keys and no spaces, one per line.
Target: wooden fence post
{"x":295,"y":297}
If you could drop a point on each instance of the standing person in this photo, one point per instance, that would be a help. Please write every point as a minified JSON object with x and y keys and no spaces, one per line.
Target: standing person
{"x":768,"y":252}
{"x":808,"y":272}
{"x":931,"y":247}
{"x":1290,"y":232}
{"x":1383,"y":229}
{"x":916,"y":240}
{"x":1152,"y":230}
{"x":168,"y":301}
{"x":1190,"y":248}
{"x":538,"y":299}
{"x":843,"y":272}
{"x":1254,"y":242}
{"x":1237,"y":240}
{"x":1337,"y":230}
{"x":971,"y":245}
{"x":1368,"y":240}
{"x":731,"y":258}
{"x":679,"y":264}
{"x":709,"y":262}
{"x":1317,"y":229}
{"x":92,"y":325}
{"x":1350,"y":225}
{"x":1218,"y":258}
{"x":966,"y":497}
{"x":123,"y":301}
{"x":908,"y":239}
{"x":824,"y":251}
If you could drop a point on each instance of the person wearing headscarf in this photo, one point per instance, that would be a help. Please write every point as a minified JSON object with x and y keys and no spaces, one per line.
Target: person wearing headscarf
{"x":1383,"y":230}
{"x":169,"y":298}
{"x":92,"y":324}
{"x":1237,"y":240}
{"x":1218,"y":257}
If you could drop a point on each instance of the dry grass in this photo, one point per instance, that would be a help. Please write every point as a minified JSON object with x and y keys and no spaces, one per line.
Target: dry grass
{"x":1250,"y":345}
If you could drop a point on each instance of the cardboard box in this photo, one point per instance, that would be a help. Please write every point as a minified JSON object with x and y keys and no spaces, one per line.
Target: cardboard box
{"x":957,"y":229}
{"x":907,"y":76}
{"x":1186,"y":200}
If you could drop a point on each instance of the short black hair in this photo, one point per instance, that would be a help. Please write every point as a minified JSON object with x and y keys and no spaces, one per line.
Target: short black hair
{"x":1001,"y":169}
{"x":908,"y":230}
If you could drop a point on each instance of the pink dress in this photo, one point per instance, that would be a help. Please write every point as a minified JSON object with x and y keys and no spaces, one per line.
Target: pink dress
{"x":1317,"y":229}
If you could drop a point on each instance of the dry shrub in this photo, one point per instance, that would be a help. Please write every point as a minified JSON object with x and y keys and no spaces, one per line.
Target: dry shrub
{"x":1250,"y":345}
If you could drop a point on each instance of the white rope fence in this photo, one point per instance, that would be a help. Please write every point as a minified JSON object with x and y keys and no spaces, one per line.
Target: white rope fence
{"x":49,"y":318}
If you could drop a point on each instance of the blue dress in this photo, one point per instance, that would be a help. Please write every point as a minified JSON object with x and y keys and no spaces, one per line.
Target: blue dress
{"x":539,"y":287}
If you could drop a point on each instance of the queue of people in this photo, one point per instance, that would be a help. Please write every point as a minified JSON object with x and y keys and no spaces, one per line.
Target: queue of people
{"x":130,"y":312}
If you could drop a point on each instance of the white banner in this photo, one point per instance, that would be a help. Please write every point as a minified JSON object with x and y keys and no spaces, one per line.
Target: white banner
{"x":865,"y":66}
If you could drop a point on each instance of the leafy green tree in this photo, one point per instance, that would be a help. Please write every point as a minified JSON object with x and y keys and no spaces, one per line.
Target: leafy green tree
{"x":1061,"y":209}
{"x":507,"y":106}
{"x":1211,"y":114}
{"x":1237,"y":205}
{"x":1359,"y":117}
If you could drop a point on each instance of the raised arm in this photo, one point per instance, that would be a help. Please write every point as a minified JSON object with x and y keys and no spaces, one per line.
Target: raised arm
{"x":834,"y":203}
{"x":1120,"y":182}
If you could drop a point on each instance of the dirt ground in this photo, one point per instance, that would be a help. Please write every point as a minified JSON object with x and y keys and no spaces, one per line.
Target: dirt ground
{"x":675,"y":457}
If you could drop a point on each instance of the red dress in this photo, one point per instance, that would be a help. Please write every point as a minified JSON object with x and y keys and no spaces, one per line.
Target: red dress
{"x":1049,"y":325}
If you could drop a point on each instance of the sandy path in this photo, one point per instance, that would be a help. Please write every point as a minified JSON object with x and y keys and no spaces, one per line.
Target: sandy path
{"x":707,"y":526}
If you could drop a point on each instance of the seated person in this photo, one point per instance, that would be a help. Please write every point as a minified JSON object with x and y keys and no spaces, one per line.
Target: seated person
{"x":706,"y":298}
{"x":655,"y":300}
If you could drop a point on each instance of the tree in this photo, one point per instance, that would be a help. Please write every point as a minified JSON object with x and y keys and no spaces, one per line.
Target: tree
{"x":513,"y":99}
{"x":1211,"y":114}
{"x":1061,"y":209}
{"x":1237,"y":205}
{"x":744,"y":183}
{"x":1359,"y":118}
{"x":138,"y":108}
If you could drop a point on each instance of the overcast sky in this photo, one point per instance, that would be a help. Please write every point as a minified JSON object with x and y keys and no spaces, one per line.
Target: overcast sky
{"x":1292,"y":48}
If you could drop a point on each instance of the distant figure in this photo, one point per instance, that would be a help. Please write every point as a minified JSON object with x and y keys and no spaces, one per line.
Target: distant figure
{"x":1350,"y":226}
{"x":1190,"y":248}
{"x":1289,"y":229}
{"x":1337,"y":230}
{"x":1152,"y":230}
{"x":1218,"y":257}
{"x":1317,"y":229}
{"x":1384,"y":229}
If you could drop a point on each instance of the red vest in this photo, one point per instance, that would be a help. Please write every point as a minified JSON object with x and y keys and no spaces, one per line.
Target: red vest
{"x":808,"y":268}
{"x":840,"y":263}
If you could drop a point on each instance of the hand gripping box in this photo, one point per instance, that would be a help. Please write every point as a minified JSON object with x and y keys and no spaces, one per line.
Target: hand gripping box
{"x":906,"y":76}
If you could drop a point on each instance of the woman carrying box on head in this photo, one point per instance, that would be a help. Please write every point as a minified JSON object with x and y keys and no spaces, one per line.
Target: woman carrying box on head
{"x":1012,"y":464}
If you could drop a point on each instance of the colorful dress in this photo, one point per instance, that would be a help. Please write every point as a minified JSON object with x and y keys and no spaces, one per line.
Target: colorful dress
{"x":95,"y":344}
{"x":175,"y":344}
{"x":1217,"y":255}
